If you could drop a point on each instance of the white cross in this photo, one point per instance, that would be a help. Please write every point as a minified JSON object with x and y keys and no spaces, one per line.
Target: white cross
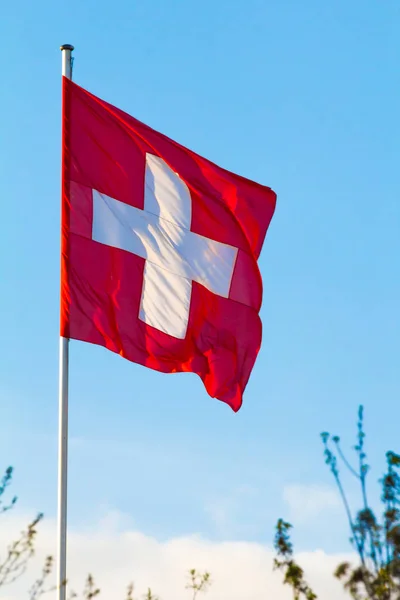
{"x":175,"y":256}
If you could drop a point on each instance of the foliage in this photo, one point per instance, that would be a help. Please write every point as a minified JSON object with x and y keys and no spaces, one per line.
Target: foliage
{"x":91,"y":590}
{"x":376,"y":539}
{"x":198,"y":582}
{"x":5,"y":482}
{"x":38,"y":588}
{"x":18,"y":554}
{"x":129,"y":593}
{"x":294,"y":575}
{"x":149,"y":595}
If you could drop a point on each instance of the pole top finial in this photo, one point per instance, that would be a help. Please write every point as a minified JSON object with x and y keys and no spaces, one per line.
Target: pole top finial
{"x":66,"y":47}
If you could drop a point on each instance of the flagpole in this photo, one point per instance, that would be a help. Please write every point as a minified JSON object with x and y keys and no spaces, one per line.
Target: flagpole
{"x":66,"y":50}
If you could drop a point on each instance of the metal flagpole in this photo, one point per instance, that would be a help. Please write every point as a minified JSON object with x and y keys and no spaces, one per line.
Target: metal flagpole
{"x":66,"y":50}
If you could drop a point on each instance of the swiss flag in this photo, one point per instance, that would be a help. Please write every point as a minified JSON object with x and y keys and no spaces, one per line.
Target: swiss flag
{"x":159,"y":249}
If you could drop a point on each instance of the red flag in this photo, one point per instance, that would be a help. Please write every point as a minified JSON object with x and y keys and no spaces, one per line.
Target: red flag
{"x":159,"y":249}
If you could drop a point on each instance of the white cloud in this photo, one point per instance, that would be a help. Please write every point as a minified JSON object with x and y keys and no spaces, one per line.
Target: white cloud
{"x":116,"y":555}
{"x":307,"y":502}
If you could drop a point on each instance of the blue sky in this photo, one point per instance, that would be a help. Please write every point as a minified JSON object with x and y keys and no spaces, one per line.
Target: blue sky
{"x":300,"y":96}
